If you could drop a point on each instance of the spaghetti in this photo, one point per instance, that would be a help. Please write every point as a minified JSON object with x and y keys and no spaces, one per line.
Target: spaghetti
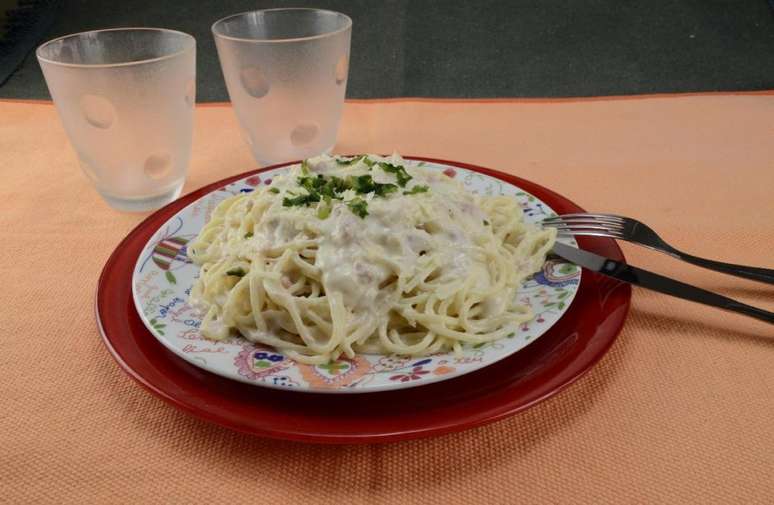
{"x":366,"y":254}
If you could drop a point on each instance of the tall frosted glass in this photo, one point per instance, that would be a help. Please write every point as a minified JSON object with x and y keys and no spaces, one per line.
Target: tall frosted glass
{"x":126,"y":97}
{"x":286,"y":73}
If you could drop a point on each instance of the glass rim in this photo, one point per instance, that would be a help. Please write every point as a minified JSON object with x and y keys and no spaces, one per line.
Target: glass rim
{"x":191,"y":44}
{"x":215,"y":33}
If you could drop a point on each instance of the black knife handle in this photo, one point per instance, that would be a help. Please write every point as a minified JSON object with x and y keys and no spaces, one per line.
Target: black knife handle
{"x":656,"y":282}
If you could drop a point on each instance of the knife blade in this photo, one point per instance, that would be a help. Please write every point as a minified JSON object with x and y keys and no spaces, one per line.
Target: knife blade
{"x":649,"y":280}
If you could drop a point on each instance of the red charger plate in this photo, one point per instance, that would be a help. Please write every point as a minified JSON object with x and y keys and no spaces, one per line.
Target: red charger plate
{"x":554,"y":361}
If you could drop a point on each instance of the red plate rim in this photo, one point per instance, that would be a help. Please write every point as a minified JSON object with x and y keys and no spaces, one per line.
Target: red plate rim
{"x":561,"y":356}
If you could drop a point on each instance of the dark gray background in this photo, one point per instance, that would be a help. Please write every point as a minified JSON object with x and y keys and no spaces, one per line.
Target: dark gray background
{"x":486,"y":48}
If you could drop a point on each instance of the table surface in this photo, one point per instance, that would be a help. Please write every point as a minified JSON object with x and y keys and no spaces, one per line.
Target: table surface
{"x":679,"y":411}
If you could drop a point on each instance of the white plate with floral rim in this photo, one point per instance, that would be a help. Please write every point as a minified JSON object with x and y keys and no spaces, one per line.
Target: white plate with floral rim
{"x":163,"y":277}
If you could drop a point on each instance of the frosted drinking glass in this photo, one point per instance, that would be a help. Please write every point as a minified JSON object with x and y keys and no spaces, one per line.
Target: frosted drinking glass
{"x":286,"y":73}
{"x":125,"y":97}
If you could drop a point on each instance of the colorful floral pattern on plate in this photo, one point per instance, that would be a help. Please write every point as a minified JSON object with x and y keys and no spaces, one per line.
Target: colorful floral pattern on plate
{"x":163,"y":277}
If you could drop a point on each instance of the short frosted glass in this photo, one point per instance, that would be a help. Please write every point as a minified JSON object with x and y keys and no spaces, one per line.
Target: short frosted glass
{"x":126,"y":99}
{"x":286,"y":73}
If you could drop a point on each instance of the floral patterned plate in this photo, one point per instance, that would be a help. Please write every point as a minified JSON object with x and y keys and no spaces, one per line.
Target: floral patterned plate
{"x":163,"y":277}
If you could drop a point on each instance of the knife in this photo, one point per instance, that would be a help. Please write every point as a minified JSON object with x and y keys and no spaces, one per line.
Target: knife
{"x":656,"y":282}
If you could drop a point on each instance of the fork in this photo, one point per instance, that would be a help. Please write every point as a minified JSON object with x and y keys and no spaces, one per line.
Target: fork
{"x":631,"y":230}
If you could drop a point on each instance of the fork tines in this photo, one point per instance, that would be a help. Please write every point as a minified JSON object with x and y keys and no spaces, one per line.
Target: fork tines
{"x":573,"y":223}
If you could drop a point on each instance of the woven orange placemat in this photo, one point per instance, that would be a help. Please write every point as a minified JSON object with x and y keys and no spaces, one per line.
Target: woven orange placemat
{"x":680,"y":411}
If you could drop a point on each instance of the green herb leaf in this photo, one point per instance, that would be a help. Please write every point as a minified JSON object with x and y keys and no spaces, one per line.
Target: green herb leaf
{"x":337,"y":185}
{"x":385,"y":189}
{"x":237,"y":272}
{"x":363,"y":184}
{"x":274,"y":190}
{"x":416,"y":189}
{"x":301,"y":200}
{"x":311,"y":184}
{"x":486,"y":223}
{"x":399,"y":171}
{"x":323,"y":211}
{"x":359,"y":207}
{"x":349,"y":161}
{"x":249,"y":234}
{"x":355,"y":159}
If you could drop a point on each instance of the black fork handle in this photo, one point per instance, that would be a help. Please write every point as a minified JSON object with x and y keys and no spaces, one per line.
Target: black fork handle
{"x":753,"y":273}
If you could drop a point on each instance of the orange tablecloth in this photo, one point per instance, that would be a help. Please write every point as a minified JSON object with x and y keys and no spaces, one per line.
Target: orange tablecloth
{"x":681,"y":410}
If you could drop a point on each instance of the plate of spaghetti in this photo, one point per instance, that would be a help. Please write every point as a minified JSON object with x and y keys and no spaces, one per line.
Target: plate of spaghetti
{"x":353,"y":274}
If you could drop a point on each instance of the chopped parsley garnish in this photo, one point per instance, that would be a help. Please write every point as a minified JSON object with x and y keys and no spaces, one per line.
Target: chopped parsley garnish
{"x":336,"y":185}
{"x":301,"y":200}
{"x":311,"y":184}
{"x":355,"y":159}
{"x":486,"y":223}
{"x":416,"y":189}
{"x":384,"y":189}
{"x":323,"y":211}
{"x":350,"y":161}
{"x":363,"y":184}
{"x":320,"y":187}
{"x":249,"y":234}
{"x":274,"y":190}
{"x":399,"y":171}
{"x":237,"y":272}
{"x":358,"y":206}
{"x":326,"y":187}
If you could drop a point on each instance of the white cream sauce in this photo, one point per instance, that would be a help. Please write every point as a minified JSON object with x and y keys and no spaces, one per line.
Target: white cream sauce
{"x":357,"y":255}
